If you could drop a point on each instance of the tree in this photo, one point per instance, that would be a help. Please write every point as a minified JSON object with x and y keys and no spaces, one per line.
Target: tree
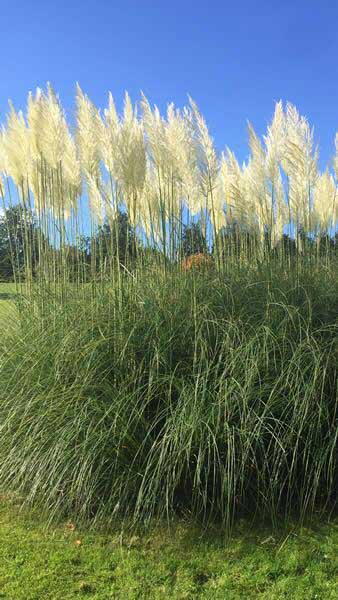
{"x":20,"y":236}
{"x":113,"y":239}
{"x":6,"y":268}
{"x":117,"y":238}
{"x":193,"y":240}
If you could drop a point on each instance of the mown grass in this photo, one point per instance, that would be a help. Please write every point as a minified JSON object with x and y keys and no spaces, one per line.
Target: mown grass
{"x":7,"y":297}
{"x":65,"y":562}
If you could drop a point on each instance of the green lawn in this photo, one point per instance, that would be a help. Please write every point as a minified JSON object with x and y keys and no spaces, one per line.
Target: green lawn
{"x":7,"y":295}
{"x":63,"y":562}
{"x":7,"y":290}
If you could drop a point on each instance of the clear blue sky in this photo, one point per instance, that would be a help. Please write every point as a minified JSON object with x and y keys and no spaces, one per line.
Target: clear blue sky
{"x":234,"y":58}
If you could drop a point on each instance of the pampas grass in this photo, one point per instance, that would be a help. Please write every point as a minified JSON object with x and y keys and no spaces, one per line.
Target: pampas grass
{"x":139,"y":382}
{"x":165,"y":171}
{"x":175,"y":394}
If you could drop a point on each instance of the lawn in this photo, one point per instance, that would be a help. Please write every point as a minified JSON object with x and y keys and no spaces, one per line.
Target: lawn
{"x":64,"y":562}
{"x":7,"y":295}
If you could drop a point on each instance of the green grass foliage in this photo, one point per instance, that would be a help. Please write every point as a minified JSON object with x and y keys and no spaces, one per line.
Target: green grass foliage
{"x":197,"y":393}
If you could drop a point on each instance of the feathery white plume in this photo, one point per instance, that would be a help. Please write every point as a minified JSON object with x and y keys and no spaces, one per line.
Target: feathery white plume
{"x":325,"y":201}
{"x":16,"y":146}
{"x":89,"y":134}
{"x":96,"y":200}
{"x":300,"y":164}
{"x":275,"y":142}
{"x":206,"y":154}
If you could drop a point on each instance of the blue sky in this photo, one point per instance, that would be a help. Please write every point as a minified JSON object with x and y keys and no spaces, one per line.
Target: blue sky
{"x":234,"y":58}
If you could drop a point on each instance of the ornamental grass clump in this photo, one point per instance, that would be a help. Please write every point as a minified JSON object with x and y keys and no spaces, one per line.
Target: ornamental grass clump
{"x":175,"y":345}
{"x":164,"y":173}
{"x":219,"y":404}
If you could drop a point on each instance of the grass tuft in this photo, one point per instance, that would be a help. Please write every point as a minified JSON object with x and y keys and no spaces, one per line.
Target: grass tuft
{"x":186,"y":394}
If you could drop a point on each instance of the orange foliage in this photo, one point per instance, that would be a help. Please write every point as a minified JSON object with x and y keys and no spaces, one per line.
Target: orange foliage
{"x":197,"y":261}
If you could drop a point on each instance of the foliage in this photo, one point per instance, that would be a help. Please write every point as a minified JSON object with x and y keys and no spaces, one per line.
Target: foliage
{"x":17,"y":229}
{"x":173,"y":393}
{"x":131,"y":387}
{"x":117,"y":240}
{"x":197,"y":261}
{"x":193,"y":240}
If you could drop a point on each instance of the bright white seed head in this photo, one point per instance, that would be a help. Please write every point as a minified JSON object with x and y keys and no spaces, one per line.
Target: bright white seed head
{"x":158,"y":166}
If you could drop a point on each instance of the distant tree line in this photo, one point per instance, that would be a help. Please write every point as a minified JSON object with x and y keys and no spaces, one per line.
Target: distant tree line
{"x":118,"y":241}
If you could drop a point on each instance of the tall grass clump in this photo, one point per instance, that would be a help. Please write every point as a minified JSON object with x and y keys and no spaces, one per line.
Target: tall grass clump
{"x":139,"y":381}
